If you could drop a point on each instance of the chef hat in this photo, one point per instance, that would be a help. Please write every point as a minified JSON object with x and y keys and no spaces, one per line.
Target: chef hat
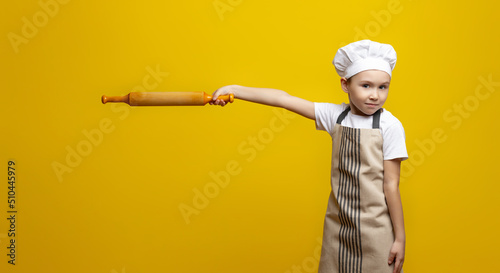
{"x":364,"y":55}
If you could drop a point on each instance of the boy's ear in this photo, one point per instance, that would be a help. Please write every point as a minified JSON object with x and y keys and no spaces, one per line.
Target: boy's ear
{"x":343,"y":83}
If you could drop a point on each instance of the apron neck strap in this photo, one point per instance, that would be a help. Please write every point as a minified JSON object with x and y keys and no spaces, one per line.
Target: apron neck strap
{"x":376,"y":117}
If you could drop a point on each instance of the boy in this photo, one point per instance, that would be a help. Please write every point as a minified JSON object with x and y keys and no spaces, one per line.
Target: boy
{"x":364,"y":226}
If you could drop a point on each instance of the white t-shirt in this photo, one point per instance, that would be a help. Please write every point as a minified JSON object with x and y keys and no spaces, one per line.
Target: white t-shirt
{"x":391,"y":128}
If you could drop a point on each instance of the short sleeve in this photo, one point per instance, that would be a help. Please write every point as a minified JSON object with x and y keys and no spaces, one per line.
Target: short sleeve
{"x":326,"y":115}
{"x":395,"y":141}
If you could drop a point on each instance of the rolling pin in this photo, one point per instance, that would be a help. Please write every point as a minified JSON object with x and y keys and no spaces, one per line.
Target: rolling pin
{"x":165,"y":98}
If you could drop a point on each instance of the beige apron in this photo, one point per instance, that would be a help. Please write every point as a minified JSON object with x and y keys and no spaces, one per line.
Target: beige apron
{"x":357,"y":234}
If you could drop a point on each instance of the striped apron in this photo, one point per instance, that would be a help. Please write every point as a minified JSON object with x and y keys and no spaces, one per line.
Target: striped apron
{"x":357,"y":233}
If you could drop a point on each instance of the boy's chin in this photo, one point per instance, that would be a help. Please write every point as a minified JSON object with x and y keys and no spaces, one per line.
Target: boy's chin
{"x":365,"y":110}
{"x":369,"y":111}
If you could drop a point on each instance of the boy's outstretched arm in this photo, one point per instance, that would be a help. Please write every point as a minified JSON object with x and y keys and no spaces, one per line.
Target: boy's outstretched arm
{"x":267,"y":96}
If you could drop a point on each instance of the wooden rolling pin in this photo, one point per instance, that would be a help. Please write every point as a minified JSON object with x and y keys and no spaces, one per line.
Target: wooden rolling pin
{"x":165,"y":98}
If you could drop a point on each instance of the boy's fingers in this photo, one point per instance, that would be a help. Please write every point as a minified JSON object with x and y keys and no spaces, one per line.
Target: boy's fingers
{"x":215,"y":95}
{"x":391,"y":257}
{"x":398,"y":266}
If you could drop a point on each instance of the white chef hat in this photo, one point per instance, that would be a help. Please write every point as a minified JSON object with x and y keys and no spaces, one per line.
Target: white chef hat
{"x":364,"y":55}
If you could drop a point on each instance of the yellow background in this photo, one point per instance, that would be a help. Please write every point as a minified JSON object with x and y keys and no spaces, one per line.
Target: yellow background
{"x":118,"y":208}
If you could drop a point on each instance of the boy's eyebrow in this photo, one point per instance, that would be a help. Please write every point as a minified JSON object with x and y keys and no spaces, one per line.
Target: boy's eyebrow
{"x":387,"y":82}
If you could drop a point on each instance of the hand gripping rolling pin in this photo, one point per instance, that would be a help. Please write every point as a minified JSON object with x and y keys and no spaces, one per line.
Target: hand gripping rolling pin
{"x":165,"y":98}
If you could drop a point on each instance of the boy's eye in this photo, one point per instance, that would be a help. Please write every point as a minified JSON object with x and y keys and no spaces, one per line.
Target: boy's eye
{"x":366,"y":85}
{"x":383,"y":87}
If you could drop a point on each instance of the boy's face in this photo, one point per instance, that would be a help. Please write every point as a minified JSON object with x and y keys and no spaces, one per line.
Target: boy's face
{"x":367,"y":91}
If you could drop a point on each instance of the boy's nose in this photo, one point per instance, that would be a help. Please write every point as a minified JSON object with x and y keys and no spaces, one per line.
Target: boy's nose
{"x":374,"y":95}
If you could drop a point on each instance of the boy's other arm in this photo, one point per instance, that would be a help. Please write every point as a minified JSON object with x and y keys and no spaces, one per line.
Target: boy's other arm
{"x":391,"y":190}
{"x":267,"y":96}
